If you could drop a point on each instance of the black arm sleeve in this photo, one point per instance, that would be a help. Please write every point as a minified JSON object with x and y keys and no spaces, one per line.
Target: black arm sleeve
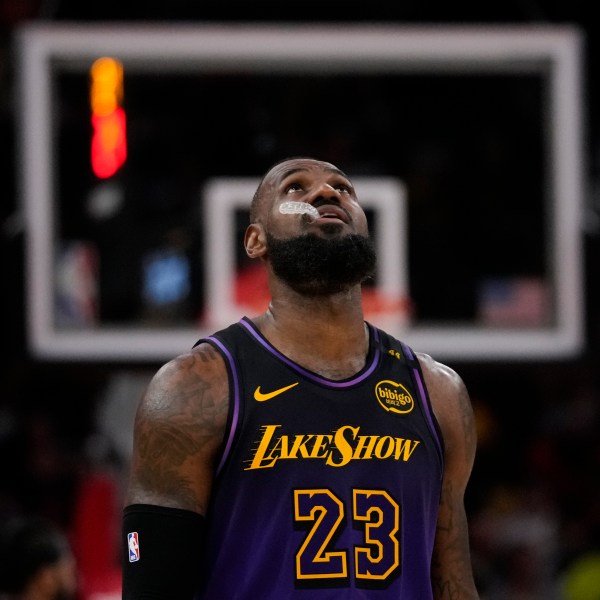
{"x":162,"y":552}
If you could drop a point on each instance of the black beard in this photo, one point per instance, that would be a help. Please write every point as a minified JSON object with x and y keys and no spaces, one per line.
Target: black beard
{"x":318,"y":266}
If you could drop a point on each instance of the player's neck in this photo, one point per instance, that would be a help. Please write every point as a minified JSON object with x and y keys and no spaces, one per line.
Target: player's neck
{"x":325,"y":335}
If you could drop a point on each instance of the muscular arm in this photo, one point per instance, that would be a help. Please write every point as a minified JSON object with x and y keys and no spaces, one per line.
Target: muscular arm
{"x":178,"y":429}
{"x":451,"y":570}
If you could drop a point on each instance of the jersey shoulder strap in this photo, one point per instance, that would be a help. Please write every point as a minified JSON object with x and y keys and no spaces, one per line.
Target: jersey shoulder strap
{"x":404,"y":352}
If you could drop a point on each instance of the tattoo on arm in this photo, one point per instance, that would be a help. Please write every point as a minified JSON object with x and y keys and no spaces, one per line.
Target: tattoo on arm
{"x":451,"y":580}
{"x":451,"y":569}
{"x":179,"y":426}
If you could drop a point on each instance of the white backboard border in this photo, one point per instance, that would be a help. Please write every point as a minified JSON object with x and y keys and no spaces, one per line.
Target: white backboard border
{"x":554,"y":51}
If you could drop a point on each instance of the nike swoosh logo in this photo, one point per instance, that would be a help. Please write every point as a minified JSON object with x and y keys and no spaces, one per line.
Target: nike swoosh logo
{"x":260,"y":397}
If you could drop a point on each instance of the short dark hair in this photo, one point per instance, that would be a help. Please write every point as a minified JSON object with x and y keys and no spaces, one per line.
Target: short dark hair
{"x":28,"y":543}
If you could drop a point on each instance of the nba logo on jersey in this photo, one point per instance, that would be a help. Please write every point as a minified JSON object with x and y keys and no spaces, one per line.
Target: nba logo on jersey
{"x":134,"y":546}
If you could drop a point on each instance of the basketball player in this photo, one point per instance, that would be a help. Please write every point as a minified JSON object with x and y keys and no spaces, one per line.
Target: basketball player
{"x":303,"y":453}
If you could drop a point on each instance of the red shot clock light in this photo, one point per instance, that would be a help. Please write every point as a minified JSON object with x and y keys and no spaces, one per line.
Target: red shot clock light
{"x":109,"y":140}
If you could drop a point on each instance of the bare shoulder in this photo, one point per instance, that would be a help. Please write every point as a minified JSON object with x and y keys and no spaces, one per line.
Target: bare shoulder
{"x":440,"y":378}
{"x":444,"y":384}
{"x":179,"y":426}
{"x":453,"y":409}
{"x":191,"y":385}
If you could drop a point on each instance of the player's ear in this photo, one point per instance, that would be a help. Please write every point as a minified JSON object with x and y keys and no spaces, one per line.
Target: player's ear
{"x":255,"y":240}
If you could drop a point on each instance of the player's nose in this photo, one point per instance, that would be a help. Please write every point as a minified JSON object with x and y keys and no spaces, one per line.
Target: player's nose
{"x":324,"y":190}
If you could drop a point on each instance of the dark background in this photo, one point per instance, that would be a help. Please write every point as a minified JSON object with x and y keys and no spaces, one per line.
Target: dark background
{"x":535,"y":491}
{"x":472,"y":165}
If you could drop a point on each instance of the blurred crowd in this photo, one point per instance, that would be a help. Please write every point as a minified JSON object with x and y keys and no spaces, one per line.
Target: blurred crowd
{"x":535,"y":525}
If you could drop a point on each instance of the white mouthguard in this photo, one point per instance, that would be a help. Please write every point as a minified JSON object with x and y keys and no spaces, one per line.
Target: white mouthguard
{"x":299,"y":208}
